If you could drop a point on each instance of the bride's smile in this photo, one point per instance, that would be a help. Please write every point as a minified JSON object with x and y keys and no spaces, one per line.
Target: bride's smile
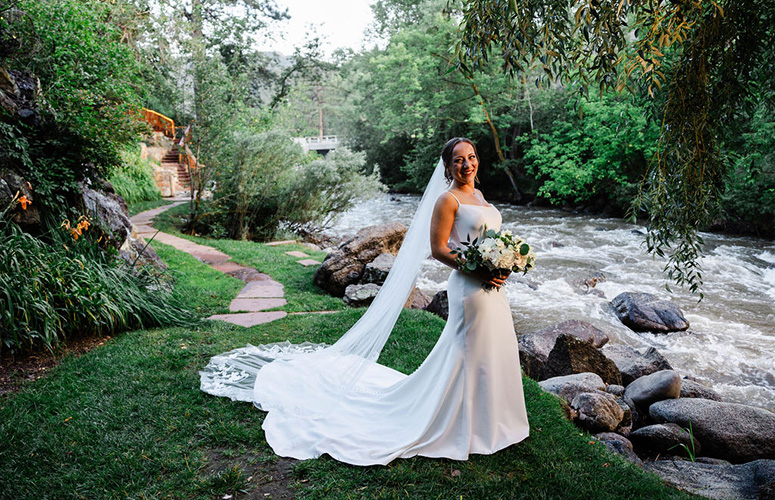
{"x":465,"y":164}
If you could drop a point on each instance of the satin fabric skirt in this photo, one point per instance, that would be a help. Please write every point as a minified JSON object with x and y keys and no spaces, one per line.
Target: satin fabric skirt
{"x":465,"y":398}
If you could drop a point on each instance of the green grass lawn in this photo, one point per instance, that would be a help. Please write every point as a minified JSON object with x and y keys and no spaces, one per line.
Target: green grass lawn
{"x":128,"y":421}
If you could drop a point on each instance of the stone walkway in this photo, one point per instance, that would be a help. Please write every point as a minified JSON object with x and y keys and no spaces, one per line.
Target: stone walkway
{"x":261,"y":292}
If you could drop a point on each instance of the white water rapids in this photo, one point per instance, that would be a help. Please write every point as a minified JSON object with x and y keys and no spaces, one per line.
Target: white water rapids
{"x":730,"y":344}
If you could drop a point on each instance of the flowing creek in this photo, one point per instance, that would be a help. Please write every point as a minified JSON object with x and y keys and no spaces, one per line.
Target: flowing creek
{"x":730,"y":344}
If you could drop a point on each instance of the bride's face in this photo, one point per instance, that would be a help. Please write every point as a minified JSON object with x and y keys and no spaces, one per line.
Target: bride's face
{"x":464,"y":164}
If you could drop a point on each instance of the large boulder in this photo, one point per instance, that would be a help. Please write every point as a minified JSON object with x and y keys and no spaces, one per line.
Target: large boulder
{"x":693,"y":389}
{"x":665,"y":384}
{"x":534,"y":347}
{"x":632,"y":364}
{"x":734,"y":432}
{"x":665,"y":439}
{"x":644,"y":312}
{"x":344,"y":266}
{"x":360,"y":295}
{"x":377,"y":270}
{"x":749,"y":481}
{"x":111,"y":210}
{"x":439,"y":305}
{"x":417,"y":300}
{"x":569,"y":386}
{"x":572,"y":355}
{"x":597,"y":411}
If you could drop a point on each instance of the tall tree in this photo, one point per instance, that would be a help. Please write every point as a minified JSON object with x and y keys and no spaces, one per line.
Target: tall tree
{"x":701,"y":60}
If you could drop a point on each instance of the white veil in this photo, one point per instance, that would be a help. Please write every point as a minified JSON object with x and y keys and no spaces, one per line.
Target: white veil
{"x":308,"y":378}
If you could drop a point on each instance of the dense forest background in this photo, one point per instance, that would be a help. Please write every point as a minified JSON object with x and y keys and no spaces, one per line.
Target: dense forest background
{"x":554,"y":126}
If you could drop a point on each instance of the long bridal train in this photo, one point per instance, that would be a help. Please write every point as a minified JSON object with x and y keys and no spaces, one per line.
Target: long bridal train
{"x":465,"y":398}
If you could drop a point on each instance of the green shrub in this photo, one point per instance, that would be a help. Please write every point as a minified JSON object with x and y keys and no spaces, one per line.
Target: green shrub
{"x":750,"y":186}
{"x":134,"y":178}
{"x":599,"y":156}
{"x":269,"y":185}
{"x":65,"y":284}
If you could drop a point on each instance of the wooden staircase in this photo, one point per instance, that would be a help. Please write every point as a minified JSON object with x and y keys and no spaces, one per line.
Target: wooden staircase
{"x":172,"y":161}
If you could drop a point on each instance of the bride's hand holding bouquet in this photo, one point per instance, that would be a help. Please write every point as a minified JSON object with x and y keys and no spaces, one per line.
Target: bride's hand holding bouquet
{"x":494,"y":256}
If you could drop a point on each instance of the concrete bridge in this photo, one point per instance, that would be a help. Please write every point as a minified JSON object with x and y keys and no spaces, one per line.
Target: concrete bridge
{"x":321,"y":145}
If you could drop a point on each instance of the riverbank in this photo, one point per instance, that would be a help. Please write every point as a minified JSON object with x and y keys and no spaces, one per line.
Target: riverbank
{"x":127,"y":420}
{"x":730,"y":344}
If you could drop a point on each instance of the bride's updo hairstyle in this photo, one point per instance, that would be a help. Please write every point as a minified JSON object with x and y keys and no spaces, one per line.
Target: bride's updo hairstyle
{"x":446,"y":154}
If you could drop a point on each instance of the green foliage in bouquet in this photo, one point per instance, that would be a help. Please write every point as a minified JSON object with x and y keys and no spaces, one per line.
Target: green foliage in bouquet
{"x":495,"y":251}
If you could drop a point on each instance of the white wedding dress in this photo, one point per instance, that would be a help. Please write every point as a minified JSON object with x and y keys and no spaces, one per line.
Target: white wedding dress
{"x":465,"y":398}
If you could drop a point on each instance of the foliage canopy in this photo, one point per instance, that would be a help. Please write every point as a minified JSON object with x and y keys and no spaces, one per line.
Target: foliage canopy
{"x":706,"y":63}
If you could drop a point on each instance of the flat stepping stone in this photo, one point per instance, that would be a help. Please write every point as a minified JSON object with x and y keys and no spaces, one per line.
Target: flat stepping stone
{"x":228,"y":267}
{"x":201,"y":252}
{"x":284,"y":242}
{"x":248,"y":274}
{"x":250,"y":319}
{"x":308,"y":262}
{"x":296,"y":253}
{"x":240,"y":304}
{"x":261,"y":289}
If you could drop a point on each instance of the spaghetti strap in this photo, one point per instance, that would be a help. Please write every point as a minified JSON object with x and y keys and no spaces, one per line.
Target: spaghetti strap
{"x":453,"y":195}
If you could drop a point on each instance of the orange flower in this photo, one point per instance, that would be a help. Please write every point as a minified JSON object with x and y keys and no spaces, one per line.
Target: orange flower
{"x":24,"y":201}
{"x":83,"y":225}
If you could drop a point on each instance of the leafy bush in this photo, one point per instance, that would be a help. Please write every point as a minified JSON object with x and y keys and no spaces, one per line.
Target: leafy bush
{"x":64,"y":284}
{"x":601,"y":155}
{"x":270,"y":185}
{"x":90,"y":89}
{"x":134,"y":178}
{"x":750,"y":186}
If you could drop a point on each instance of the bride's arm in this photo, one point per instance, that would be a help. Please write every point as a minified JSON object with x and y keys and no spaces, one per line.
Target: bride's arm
{"x":441,"y":226}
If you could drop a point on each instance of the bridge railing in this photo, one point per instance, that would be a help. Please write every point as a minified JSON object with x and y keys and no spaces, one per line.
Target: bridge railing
{"x":326,"y":142}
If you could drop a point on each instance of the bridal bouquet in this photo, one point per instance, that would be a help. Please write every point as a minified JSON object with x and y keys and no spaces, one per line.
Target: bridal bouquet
{"x":496,"y":251}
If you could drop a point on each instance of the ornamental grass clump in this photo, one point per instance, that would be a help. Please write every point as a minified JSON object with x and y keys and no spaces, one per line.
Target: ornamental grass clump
{"x":64,"y":283}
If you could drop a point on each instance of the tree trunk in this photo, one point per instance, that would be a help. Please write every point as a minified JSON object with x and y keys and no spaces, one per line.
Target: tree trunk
{"x":497,"y":140}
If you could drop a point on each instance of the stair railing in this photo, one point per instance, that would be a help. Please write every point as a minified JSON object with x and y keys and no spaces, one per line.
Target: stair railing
{"x":159,"y":122}
{"x":185,"y":155}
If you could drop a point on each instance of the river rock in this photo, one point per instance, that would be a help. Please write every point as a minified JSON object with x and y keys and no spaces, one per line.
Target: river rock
{"x":572,"y":355}
{"x":644,"y":312}
{"x":692,"y":389}
{"x":360,"y":295}
{"x":664,"y":439}
{"x":439,"y":305}
{"x":731,"y":431}
{"x":534,"y":347}
{"x":377,"y":270}
{"x":597,"y":411}
{"x":620,"y":445}
{"x":665,"y":384}
{"x":724,"y":482}
{"x":632,"y":364}
{"x":417,"y":300}
{"x":638,"y":418}
{"x":344,"y":266}
{"x":569,"y":386}
{"x":615,"y":389}
{"x":625,"y":426}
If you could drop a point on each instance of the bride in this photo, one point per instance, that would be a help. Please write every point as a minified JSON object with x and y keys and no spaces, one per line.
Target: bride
{"x":465,"y":398}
